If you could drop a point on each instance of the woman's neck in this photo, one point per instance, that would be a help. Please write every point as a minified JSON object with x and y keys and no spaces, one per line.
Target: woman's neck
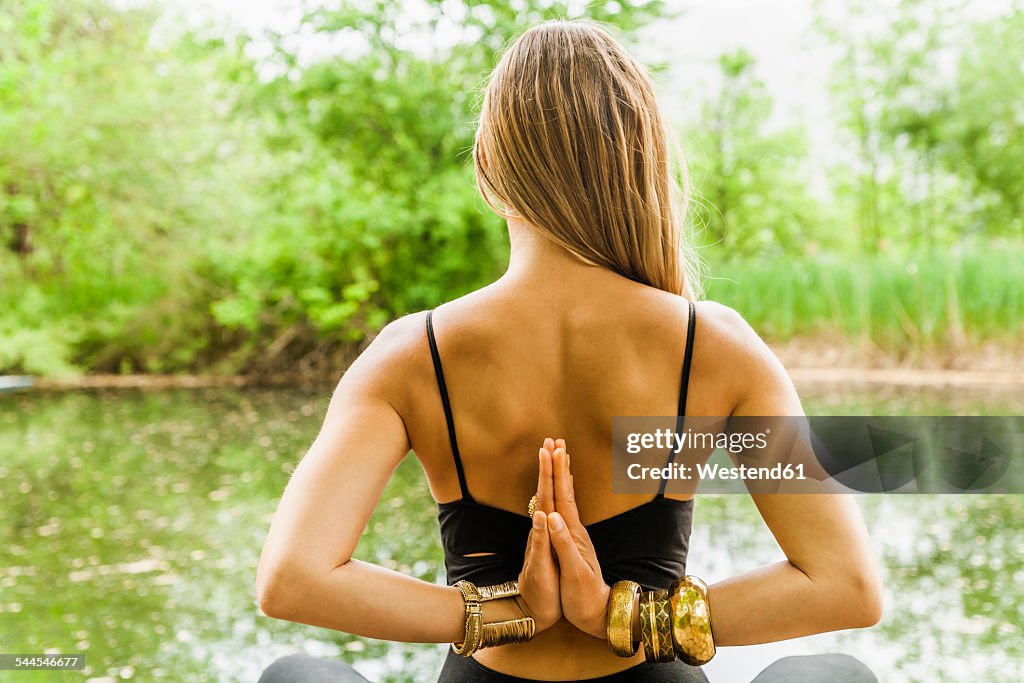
{"x":534,"y":259}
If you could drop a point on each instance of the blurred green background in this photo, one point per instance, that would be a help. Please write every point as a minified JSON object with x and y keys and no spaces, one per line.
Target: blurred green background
{"x":181,"y":195}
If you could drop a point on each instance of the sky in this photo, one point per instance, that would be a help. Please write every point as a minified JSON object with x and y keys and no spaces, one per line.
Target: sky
{"x":776,"y":32}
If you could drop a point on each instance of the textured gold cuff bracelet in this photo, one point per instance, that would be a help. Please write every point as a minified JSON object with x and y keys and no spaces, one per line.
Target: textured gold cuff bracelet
{"x":474,"y":620}
{"x":507,"y":632}
{"x":691,"y":621}
{"x":621,"y":639}
{"x":509,"y":589}
{"x":656,"y":627}
{"x":478,"y":634}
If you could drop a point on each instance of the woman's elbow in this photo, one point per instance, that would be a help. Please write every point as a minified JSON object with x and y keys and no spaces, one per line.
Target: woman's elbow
{"x":277,"y":591}
{"x":866,"y":601}
{"x":270,"y":602}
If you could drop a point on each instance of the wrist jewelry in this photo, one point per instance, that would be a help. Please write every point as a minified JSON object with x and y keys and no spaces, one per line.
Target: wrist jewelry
{"x":507,"y":632}
{"x":509,"y":589}
{"x":480,"y":635}
{"x":691,"y":621}
{"x":621,"y":639}
{"x":656,"y":626}
{"x":474,"y":620}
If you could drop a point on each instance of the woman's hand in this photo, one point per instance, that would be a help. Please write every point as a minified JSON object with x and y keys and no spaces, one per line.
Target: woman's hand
{"x":584,"y":594}
{"x":538,"y":581}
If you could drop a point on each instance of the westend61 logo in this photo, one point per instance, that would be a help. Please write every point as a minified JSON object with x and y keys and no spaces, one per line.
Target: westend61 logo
{"x":818,"y":454}
{"x":706,"y":442}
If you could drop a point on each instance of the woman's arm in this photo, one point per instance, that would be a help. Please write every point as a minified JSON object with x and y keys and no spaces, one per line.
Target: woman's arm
{"x":830,"y":579}
{"x":306,"y":572}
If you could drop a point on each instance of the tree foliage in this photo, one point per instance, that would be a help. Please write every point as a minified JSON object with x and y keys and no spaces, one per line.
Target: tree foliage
{"x":752,"y":195}
{"x":169,"y":202}
{"x":929,"y":94}
{"x":116,"y":157}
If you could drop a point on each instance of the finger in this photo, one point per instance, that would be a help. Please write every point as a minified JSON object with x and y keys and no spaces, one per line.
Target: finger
{"x":531,"y":539}
{"x":570,"y":561}
{"x":539,"y":551}
{"x":549,"y":443}
{"x":545,"y":483}
{"x":560,"y":443}
{"x":565,"y":495}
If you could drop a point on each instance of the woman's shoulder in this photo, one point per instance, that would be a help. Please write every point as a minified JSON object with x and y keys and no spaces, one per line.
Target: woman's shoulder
{"x":727,"y":346}
{"x":726,"y":328}
{"x":403,"y":342}
{"x":400,"y":338}
{"x":393,"y":357}
{"x":400,"y":352}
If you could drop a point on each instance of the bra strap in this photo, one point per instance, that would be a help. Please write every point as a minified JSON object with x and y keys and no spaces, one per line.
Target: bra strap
{"x":691,"y":327}
{"x":443,"y":387}
{"x":687,"y":360}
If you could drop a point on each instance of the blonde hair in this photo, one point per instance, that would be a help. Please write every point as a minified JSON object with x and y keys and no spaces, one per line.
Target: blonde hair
{"x":571,"y":139}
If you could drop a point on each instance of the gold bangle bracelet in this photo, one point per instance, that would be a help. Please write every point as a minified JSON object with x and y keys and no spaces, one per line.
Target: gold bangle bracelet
{"x":621,"y":639}
{"x":507,"y":632}
{"x":509,"y":589}
{"x":692,"y":638}
{"x":656,"y":626}
{"x":474,"y":620}
{"x":480,"y":635}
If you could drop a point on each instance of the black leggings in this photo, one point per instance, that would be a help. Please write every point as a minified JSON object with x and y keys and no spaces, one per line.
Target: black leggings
{"x":299,"y":668}
{"x":459,"y":669}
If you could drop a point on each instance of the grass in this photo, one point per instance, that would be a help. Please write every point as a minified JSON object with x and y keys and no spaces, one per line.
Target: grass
{"x":911,"y":302}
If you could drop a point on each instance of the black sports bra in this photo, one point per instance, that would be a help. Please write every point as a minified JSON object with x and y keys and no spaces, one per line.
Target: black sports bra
{"x":646,"y":544}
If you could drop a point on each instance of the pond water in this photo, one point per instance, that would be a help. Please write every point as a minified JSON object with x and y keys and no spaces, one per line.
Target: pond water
{"x":131,"y":524}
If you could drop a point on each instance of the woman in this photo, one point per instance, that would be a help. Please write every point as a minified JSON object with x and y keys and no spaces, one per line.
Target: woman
{"x":592,"y":319}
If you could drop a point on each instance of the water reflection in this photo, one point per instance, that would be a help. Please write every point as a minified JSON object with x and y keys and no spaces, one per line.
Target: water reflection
{"x":131,"y":524}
